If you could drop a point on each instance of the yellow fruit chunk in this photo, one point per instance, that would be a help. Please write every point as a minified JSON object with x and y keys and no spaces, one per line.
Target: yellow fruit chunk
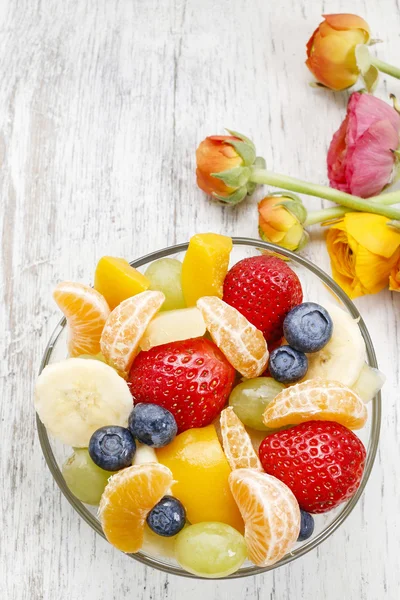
{"x":116,"y":280}
{"x":200,"y":471}
{"x":86,"y":312}
{"x":172,"y":326}
{"x":316,"y":399}
{"x":127,"y":500}
{"x":243,"y":344}
{"x":205,"y":266}
{"x":271,"y":515}
{"x":237,"y":443}
{"x":125,"y":327}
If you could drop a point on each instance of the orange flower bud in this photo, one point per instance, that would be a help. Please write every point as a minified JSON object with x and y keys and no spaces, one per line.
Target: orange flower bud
{"x":281,"y":220}
{"x":214,"y":155}
{"x":331,"y":50}
{"x":224,"y":165}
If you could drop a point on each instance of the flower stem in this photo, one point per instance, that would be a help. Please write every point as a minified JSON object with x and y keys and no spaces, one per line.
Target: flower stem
{"x":322,"y":191}
{"x":385,"y":67}
{"x":328,"y":214}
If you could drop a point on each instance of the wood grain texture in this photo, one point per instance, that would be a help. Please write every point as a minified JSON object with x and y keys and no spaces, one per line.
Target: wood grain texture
{"x":102,"y":104}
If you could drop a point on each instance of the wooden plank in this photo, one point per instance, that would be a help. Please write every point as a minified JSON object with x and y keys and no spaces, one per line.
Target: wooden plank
{"x":102,"y":105}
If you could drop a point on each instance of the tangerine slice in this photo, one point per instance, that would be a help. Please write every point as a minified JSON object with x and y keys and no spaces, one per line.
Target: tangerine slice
{"x":86,"y":312}
{"x":125,"y":327}
{"x":242,"y":343}
{"x":270,"y":512}
{"x":236,"y":441}
{"x":127,"y":500}
{"x":316,"y":399}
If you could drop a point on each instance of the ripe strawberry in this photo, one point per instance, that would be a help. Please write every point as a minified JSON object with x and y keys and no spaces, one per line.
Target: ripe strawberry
{"x":264,"y":289}
{"x":322,"y":462}
{"x":192,"y":379}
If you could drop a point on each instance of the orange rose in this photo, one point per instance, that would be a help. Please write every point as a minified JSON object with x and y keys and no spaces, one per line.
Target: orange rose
{"x":331,"y":50}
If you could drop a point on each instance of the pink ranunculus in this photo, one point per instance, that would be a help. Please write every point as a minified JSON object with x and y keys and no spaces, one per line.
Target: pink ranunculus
{"x":360,"y":157}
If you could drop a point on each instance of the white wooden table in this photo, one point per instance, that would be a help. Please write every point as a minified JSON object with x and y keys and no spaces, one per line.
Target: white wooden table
{"x":102,"y":104}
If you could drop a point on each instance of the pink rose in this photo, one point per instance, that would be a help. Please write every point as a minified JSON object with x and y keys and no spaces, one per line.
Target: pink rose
{"x":360,"y":157}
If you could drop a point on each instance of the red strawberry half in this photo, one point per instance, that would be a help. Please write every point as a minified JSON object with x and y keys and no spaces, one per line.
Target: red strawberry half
{"x":264,"y":289}
{"x":322,"y":462}
{"x":192,"y":379}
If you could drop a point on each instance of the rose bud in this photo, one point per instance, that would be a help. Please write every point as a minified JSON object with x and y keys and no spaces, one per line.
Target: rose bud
{"x":362,"y":154}
{"x":281,"y":218}
{"x":331,"y":55}
{"x":363,"y":252}
{"x":223,"y":163}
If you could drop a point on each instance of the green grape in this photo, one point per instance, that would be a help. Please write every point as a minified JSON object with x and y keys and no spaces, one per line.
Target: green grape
{"x":250,"y":398}
{"x":85,"y":479}
{"x":98,"y":356}
{"x":165,"y":276}
{"x":210,"y":549}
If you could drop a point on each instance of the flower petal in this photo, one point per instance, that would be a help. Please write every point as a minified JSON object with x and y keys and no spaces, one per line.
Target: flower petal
{"x":364,"y":110}
{"x":373,"y":270}
{"x":371,"y":232}
{"x":336,"y":159}
{"x":343,"y":21}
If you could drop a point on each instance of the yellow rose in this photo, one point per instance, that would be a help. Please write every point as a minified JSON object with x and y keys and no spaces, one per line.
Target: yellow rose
{"x":363,"y":252}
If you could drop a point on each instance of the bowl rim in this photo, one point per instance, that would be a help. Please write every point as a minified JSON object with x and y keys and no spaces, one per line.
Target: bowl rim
{"x":158,"y":563}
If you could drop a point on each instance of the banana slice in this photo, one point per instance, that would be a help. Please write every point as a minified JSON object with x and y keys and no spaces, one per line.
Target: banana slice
{"x":344,"y":355}
{"x":76,"y":396}
{"x":369,"y":383}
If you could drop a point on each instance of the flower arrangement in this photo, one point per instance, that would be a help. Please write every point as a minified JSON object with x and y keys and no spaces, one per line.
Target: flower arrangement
{"x":363,"y":230}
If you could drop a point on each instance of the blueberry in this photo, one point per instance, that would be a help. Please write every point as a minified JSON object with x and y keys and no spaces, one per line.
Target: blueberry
{"x":306,"y":526}
{"x":152,"y":425}
{"x":167,"y":518}
{"x":287,"y":365}
{"x":112,"y":448}
{"x":308,"y":327}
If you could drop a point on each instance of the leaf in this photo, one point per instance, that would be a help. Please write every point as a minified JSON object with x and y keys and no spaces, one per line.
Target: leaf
{"x":363,"y":58}
{"x":371,"y":78}
{"x":241,"y":137}
{"x":234,"y":198}
{"x":244,"y":150}
{"x":235,"y":178}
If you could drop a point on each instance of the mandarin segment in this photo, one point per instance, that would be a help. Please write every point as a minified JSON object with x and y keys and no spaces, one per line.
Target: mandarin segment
{"x":270,"y":512}
{"x":236,"y":442}
{"x":205,"y":266}
{"x":126,"y":501}
{"x":201,"y":470}
{"x":316,"y":399}
{"x":125,"y":327}
{"x":241,"y":342}
{"x":86,"y":312}
{"x":116,"y":280}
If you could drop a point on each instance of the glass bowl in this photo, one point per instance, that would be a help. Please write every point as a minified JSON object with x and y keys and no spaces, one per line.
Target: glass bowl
{"x":317,"y":287}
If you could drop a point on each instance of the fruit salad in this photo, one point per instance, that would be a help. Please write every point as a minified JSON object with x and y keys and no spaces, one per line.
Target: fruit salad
{"x":210,"y":409}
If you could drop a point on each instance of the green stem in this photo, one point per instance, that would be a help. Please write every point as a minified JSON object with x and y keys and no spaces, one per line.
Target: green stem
{"x":385,"y":67}
{"x":328,"y":214}
{"x":321,"y":191}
